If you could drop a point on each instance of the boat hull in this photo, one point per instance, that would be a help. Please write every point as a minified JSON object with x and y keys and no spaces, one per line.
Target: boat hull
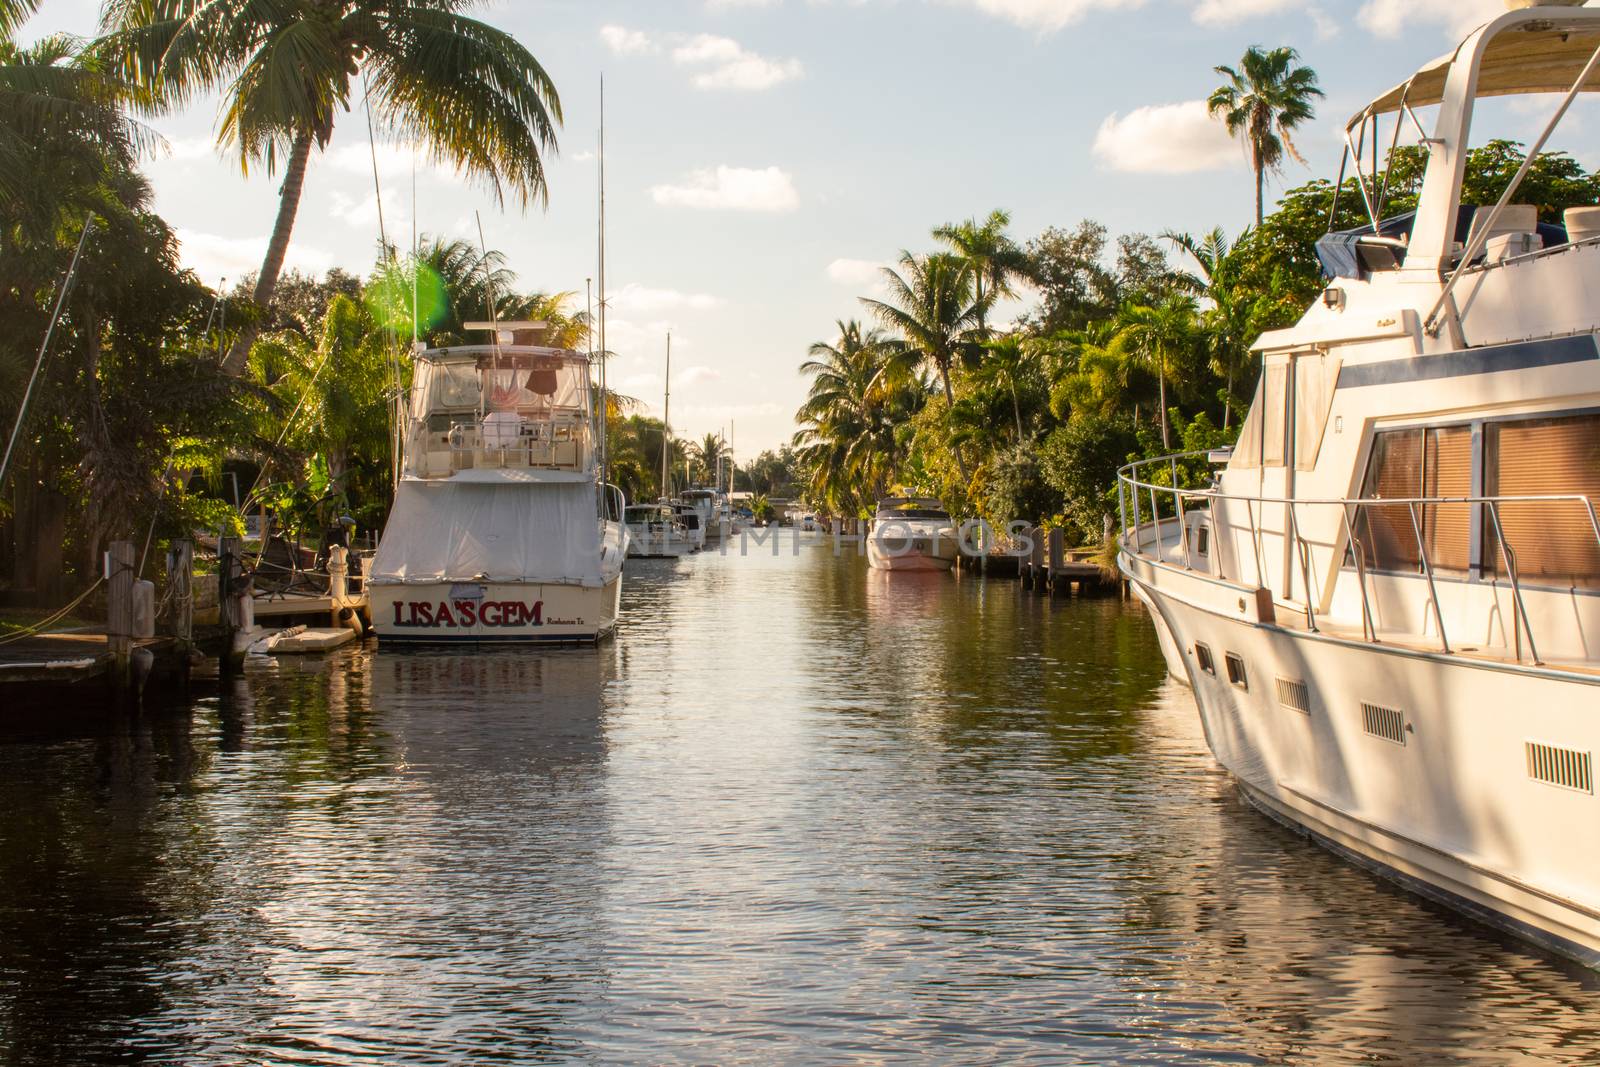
{"x":444,"y":613}
{"x":916,"y":551}
{"x":1438,"y":795}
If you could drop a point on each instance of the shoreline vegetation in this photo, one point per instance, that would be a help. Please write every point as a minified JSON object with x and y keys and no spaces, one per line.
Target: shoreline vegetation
{"x":163,"y":406}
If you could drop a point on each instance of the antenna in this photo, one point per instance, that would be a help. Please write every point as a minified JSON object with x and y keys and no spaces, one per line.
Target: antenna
{"x":666,"y":421}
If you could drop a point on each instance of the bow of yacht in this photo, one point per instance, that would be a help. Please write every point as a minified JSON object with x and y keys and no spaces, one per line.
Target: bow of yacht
{"x":1387,"y":597}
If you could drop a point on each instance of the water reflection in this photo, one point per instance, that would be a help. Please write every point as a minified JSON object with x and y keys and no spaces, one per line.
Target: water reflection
{"x":799,"y":811}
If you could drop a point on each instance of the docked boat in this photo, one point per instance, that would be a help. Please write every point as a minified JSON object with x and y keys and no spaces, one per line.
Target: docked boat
{"x":911,"y":534}
{"x":715,"y":518}
{"x":1387,"y":602}
{"x":656,"y":532}
{"x":502,"y":529}
{"x":692,"y":528}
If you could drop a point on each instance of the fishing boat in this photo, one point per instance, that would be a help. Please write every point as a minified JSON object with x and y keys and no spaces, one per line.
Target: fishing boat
{"x":1387,"y":597}
{"x":502,"y":528}
{"x":656,"y":532}
{"x":911,"y":534}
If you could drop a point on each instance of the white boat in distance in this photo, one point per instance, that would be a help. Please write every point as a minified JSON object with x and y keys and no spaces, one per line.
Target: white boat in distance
{"x":1388,"y":603}
{"x":715,"y":518}
{"x":911,"y":534}
{"x":501,"y":530}
{"x":656,"y":532}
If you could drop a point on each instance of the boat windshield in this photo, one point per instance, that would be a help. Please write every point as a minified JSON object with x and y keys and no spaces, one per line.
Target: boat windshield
{"x":913,"y":513}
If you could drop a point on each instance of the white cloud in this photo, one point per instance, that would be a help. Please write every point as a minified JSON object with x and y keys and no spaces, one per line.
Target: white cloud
{"x":1223,"y":12}
{"x":855,"y":271}
{"x":186,"y":148}
{"x":1327,"y":29}
{"x":625,"y":42}
{"x":731,"y":189}
{"x":726,"y":64}
{"x":696,"y":375}
{"x":1387,"y":18}
{"x":1164,"y":139}
{"x":212,"y":256}
{"x":363,"y":212}
{"x":1046,"y":16}
{"x":395,"y":162}
{"x":635,"y":299}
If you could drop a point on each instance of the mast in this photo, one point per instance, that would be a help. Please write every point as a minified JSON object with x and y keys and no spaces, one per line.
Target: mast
{"x":605,"y":451}
{"x":666,"y":420}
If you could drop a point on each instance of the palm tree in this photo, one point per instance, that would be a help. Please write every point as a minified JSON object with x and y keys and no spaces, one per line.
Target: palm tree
{"x":995,"y":259}
{"x":1262,"y":102}
{"x":1008,"y":362}
{"x":1158,"y":335}
{"x":470,"y":93}
{"x":847,"y":439}
{"x":707,"y":454}
{"x":61,"y":126}
{"x":934,"y":307}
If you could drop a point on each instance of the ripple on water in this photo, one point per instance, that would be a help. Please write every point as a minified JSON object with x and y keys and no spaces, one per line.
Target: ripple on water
{"x":796,"y":811}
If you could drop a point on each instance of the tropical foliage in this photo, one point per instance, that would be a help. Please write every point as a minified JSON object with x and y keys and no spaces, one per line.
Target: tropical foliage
{"x":1116,"y":348}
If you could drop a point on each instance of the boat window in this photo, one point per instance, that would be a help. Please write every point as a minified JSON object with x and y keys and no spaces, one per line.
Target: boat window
{"x":1315,"y":376}
{"x":1274,"y":385}
{"x":912,"y":513}
{"x":1236,"y":673}
{"x":456,"y":386}
{"x":1202,"y":655}
{"x":1405,"y":465}
{"x":1447,"y":472}
{"x":1549,"y":540}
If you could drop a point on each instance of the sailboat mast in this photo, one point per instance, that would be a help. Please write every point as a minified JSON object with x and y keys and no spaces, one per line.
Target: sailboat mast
{"x":605,"y":409}
{"x":666,"y":421}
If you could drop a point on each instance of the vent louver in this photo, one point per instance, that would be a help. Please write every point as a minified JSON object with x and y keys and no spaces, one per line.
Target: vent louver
{"x":1293,"y":695}
{"x":1565,"y":767}
{"x":1383,"y":722}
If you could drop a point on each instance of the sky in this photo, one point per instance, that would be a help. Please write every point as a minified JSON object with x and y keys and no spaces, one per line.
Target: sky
{"x":764,"y":158}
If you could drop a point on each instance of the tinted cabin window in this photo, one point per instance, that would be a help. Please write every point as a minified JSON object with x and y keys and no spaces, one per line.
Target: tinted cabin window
{"x":1406,"y":464}
{"x":1552,"y":542}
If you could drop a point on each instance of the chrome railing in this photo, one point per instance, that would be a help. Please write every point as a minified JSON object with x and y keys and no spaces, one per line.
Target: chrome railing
{"x":1133,"y":488}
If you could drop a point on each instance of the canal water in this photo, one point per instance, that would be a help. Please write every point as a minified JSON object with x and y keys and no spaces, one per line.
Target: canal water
{"x":796,"y":812}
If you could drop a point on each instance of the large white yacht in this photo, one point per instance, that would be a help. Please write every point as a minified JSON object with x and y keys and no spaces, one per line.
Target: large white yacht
{"x":715,"y":517}
{"x":1388,"y":601}
{"x":911,"y":534}
{"x":502,"y":530}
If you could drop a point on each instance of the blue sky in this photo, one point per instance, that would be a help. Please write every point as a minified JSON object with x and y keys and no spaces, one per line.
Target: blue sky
{"x":765,"y":155}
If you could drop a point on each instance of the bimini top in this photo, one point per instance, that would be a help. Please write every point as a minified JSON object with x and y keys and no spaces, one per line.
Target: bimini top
{"x":1537,"y":50}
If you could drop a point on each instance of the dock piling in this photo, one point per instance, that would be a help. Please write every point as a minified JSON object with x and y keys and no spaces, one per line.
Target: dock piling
{"x":121,"y":574}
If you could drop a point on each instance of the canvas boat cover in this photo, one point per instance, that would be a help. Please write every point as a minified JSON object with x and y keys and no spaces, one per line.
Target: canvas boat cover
{"x":1540,"y":51}
{"x":453,"y":531}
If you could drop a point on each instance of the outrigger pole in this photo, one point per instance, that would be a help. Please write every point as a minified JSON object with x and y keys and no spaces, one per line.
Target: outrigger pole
{"x":44,"y":346}
{"x":605,"y":410}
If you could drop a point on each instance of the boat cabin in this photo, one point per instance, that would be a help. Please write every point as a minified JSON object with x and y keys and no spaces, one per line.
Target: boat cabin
{"x":515,"y":408}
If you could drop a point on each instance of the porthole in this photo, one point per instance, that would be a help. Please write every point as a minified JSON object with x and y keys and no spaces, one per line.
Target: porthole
{"x":1236,"y":673}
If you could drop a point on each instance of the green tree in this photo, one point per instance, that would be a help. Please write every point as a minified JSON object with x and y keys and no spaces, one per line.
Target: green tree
{"x":847,"y":439}
{"x":471,"y":94}
{"x":1160,"y":335}
{"x":995,"y":259}
{"x":934,"y":308}
{"x":1262,"y":102}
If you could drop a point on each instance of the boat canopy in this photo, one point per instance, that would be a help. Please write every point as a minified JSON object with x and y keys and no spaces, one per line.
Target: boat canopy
{"x":1542,"y":50}
{"x":491,"y":378}
{"x":453,"y":531}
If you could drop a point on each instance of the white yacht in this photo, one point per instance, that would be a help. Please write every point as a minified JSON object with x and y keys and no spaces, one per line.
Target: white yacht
{"x":656,"y":532}
{"x":502,"y":530}
{"x":716,"y":520}
{"x":1388,"y":600}
{"x":691,"y":524}
{"x":911,"y":534}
